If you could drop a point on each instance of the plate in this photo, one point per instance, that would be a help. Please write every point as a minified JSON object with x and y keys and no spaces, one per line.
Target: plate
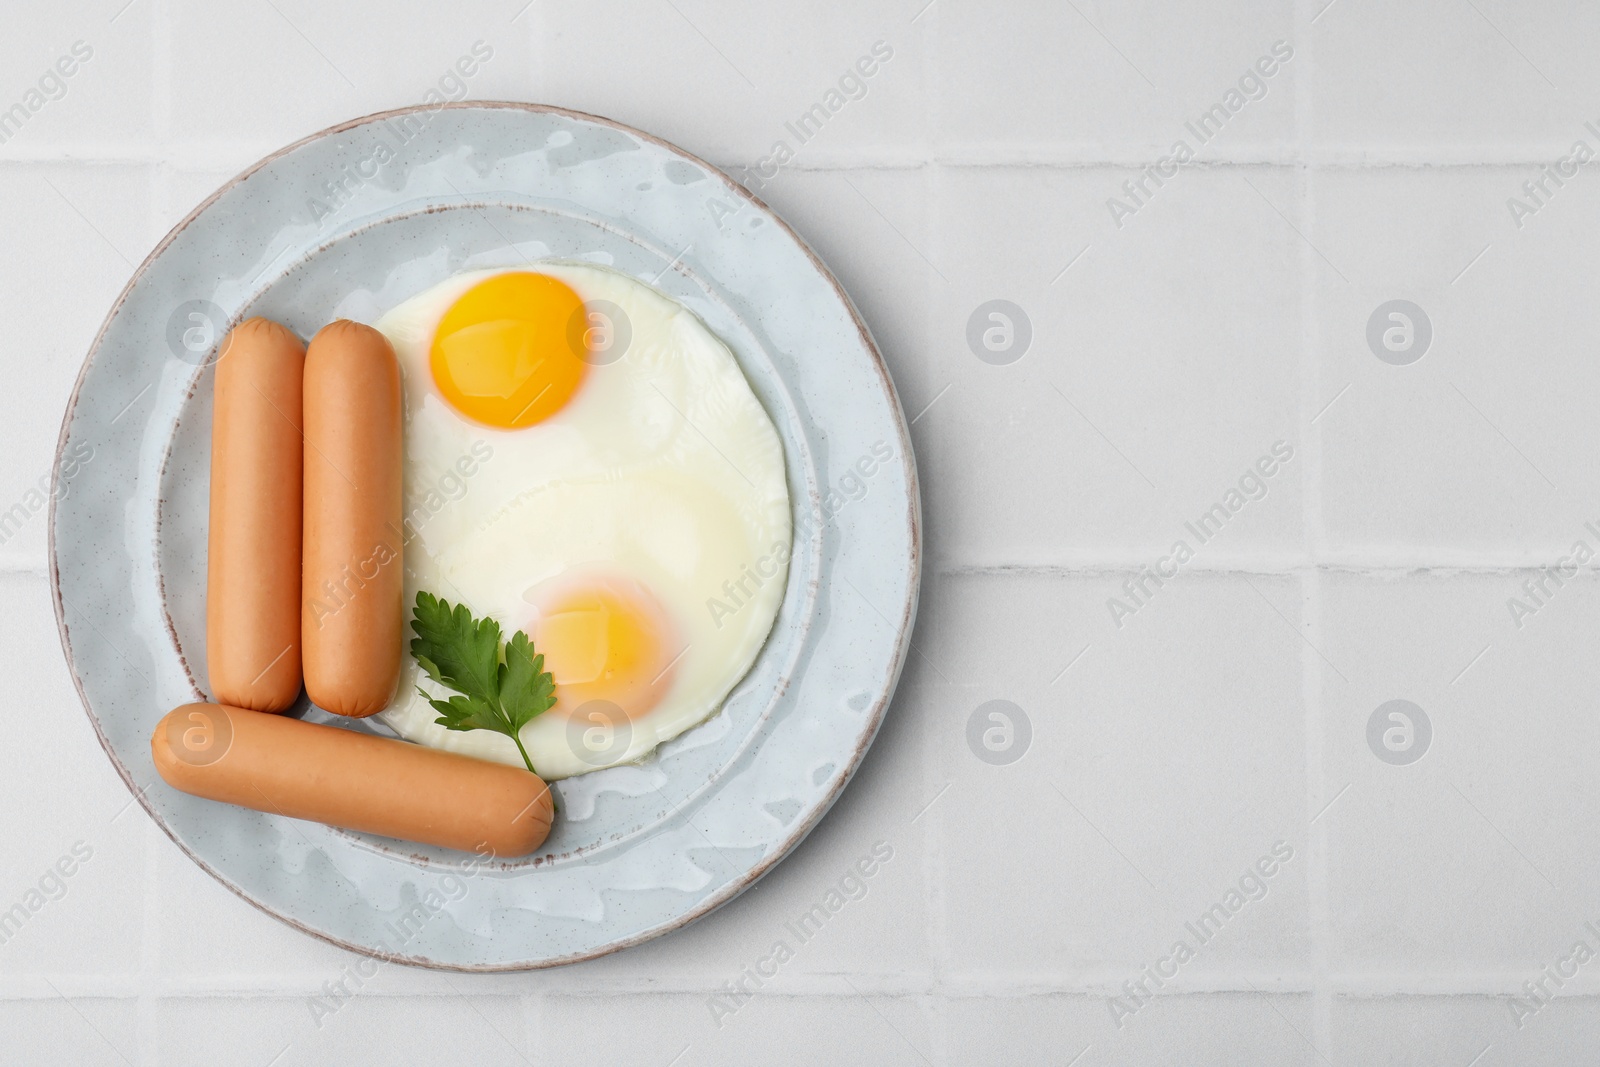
{"x":349,"y":222}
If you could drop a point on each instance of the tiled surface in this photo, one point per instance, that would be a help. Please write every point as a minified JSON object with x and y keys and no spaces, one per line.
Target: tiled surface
{"x":1179,"y":733}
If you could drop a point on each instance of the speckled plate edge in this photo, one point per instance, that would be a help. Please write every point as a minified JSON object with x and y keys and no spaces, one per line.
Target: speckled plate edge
{"x":802,"y":827}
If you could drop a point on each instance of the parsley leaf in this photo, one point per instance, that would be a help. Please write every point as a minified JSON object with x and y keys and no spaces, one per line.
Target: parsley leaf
{"x":502,"y":688}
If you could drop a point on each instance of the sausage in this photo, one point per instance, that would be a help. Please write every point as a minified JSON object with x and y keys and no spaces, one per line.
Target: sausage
{"x":301,"y":770}
{"x":352,"y":583}
{"x":253,"y":547}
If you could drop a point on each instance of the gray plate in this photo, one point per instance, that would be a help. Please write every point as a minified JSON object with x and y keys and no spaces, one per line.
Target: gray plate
{"x":350,"y":222}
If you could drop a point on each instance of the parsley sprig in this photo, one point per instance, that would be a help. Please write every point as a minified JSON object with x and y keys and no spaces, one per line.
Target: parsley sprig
{"x":502,"y":687}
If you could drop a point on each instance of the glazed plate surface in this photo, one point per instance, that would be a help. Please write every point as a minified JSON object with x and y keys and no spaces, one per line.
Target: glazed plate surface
{"x":349,"y":223}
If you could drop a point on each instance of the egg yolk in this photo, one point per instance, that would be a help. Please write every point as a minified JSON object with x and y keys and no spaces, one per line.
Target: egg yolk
{"x":606,"y":640}
{"x":501,"y":353}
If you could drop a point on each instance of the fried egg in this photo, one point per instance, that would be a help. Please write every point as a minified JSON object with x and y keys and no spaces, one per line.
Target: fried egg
{"x":586,"y":462}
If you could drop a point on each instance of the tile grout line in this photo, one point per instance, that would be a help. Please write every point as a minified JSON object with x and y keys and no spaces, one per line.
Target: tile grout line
{"x":146,"y":1004}
{"x":1311,"y":676}
{"x":1089,"y":566}
{"x":1375,"y":982}
{"x":1262,"y":564}
{"x":933,"y":869}
{"x":147,"y":1007}
{"x":532,"y":1012}
{"x":534,"y":1003}
{"x":217,"y":153}
{"x":937,"y":918}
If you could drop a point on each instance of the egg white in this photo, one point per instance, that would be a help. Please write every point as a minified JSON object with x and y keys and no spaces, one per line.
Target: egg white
{"x":663,"y":468}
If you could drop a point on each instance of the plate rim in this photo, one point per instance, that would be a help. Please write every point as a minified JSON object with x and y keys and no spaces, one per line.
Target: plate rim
{"x":878,"y":712}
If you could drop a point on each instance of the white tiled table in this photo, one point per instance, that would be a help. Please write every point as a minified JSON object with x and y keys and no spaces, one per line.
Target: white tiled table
{"x":1168,"y":754}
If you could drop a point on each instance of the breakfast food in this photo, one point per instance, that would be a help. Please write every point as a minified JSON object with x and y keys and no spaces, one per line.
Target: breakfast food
{"x":587,"y":464}
{"x":351,"y":612}
{"x":571,"y":455}
{"x":253,"y":565}
{"x":300,"y":770}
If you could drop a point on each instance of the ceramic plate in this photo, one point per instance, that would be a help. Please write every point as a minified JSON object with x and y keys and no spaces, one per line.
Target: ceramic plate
{"x":350,"y":222}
